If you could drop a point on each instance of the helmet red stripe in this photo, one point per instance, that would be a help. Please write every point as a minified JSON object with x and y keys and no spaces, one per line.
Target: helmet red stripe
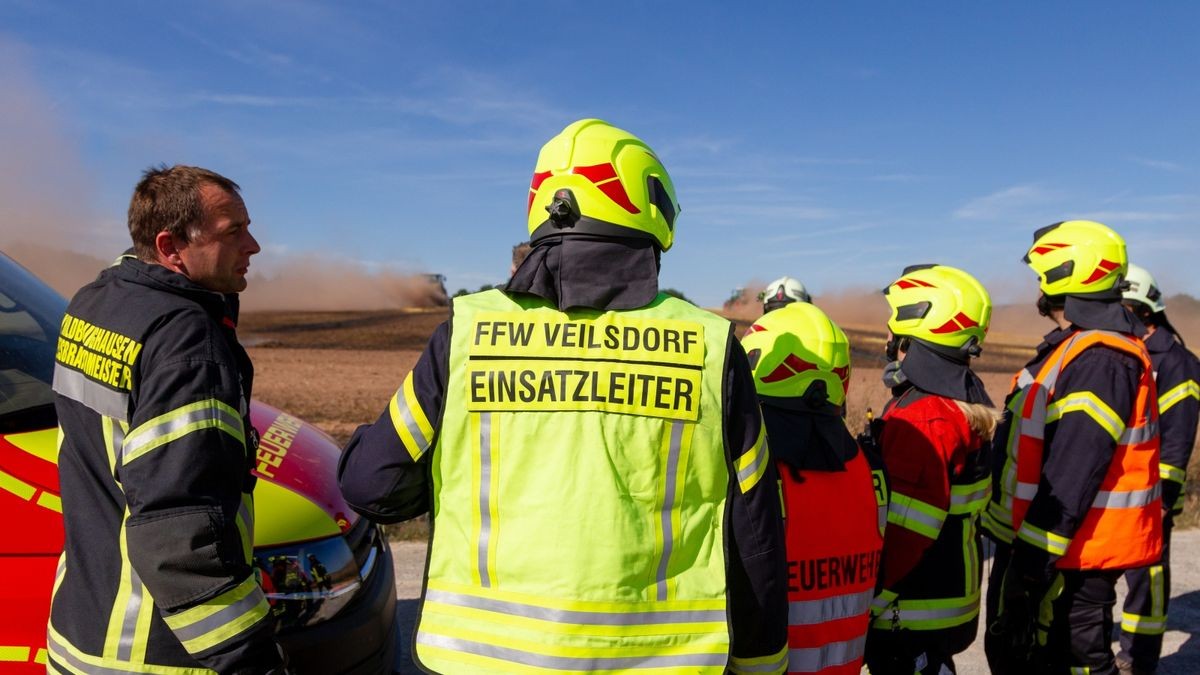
{"x":604,"y":176}
{"x":1102,"y":270}
{"x":948,"y":327}
{"x":781,"y":372}
{"x":798,"y":364}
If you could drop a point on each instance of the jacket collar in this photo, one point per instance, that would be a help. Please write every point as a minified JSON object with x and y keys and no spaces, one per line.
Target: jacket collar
{"x":224,"y":308}
{"x":1085,"y":314}
{"x":603,"y":273}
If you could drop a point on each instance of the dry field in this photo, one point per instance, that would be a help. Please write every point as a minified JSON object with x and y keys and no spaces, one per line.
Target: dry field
{"x":338,"y":369}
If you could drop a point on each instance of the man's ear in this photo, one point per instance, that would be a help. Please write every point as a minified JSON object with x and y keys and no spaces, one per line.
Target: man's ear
{"x":167,"y":249}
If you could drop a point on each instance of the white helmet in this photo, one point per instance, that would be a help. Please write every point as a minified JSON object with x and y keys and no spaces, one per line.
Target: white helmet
{"x":1142,"y":289}
{"x":783,"y":291}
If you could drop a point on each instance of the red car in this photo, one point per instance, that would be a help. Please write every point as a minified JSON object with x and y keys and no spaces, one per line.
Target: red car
{"x":327,"y":572}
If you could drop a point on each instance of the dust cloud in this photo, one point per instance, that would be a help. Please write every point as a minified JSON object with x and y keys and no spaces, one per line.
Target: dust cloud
{"x":49,"y":224}
{"x":310,"y":282}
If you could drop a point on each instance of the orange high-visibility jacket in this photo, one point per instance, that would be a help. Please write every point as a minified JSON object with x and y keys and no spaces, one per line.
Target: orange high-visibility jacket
{"x":1123,"y":526}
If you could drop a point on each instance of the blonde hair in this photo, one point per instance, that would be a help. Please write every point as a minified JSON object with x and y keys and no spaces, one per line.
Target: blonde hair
{"x":981,"y":419}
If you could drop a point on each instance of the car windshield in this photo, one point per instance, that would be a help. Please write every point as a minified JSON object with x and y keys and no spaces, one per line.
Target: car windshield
{"x":30,"y":315}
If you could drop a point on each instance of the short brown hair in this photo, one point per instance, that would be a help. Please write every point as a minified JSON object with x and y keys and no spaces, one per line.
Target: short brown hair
{"x":520,"y":252}
{"x":169,"y":199}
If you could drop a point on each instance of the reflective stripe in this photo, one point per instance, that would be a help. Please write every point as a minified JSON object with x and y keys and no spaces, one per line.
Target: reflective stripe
{"x":79,"y":387}
{"x":1081,"y":670}
{"x":576,"y":663}
{"x":882,"y":601}
{"x":772,"y":663}
{"x":814,"y":659}
{"x":915,"y":515}
{"x":245,"y":525}
{"x":1025,"y":378}
{"x":1113,"y":499}
{"x":220,"y":619}
{"x":485,"y":498}
{"x":69,"y":656}
{"x":207,"y":414}
{"x":808,"y":612}
{"x":995,"y":520}
{"x":1143,"y":625}
{"x":1055,"y":544}
{"x":1172,"y":473}
{"x":1026,"y":491}
{"x":569,"y":616}
{"x":1140,"y":434}
{"x":410,"y":421}
{"x":1158,"y":600}
{"x":753,"y":463}
{"x":670,"y":497}
{"x":931,"y":614}
{"x":971,"y":498}
{"x":1179,"y":392}
{"x":1087,"y":402}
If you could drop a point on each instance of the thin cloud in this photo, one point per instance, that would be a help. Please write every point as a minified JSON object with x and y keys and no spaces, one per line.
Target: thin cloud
{"x":1004,"y":203}
{"x":1161,"y":164}
{"x":1118,"y":217}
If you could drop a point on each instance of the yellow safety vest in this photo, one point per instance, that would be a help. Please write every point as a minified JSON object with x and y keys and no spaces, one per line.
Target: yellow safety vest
{"x":579,"y":484}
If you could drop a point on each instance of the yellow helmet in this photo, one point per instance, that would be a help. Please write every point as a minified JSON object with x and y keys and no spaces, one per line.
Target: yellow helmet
{"x":793,"y":347}
{"x":593,"y":178}
{"x":1077,"y":257}
{"x":939,"y":305}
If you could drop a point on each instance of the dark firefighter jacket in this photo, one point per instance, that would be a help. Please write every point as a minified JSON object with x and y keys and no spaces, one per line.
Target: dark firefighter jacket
{"x":1077,"y":449}
{"x":937,"y":472}
{"x":1177,"y":375}
{"x":382,"y":481}
{"x":153,"y":403}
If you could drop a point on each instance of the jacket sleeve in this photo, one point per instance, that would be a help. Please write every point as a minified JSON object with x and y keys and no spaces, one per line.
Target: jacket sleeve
{"x":383,"y":471}
{"x":757,"y":557}
{"x":916,"y":458}
{"x":1084,"y":420}
{"x":183,"y":466}
{"x":1178,"y":412}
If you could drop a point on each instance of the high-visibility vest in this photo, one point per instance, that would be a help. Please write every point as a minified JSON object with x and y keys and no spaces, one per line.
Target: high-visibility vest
{"x":834,"y":542}
{"x":579,"y":487}
{"x":1123,"y":526}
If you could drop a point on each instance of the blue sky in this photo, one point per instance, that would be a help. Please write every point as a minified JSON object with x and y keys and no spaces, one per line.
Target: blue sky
{"x":836,"y":142}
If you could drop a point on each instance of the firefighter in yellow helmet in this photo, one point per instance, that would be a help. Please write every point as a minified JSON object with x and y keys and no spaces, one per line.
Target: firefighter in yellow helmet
{"x":934,"y":439}
{"x":833,"y":493}
{"x":1076,"y":496}
{"x":591,"y":448}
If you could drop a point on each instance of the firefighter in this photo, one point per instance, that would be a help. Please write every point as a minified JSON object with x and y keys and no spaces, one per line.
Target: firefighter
{"x":152,"y":394}
{"x":590,"y":448}
{"x":1176,"y":373}
{"x":1076,"y":498}
{"x":783,"y":291}
{"x":834,"y":497}
{"x":935,"y":435}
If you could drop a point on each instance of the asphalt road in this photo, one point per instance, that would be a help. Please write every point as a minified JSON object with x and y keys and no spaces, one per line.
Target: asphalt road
{"x":1181,"y":645}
